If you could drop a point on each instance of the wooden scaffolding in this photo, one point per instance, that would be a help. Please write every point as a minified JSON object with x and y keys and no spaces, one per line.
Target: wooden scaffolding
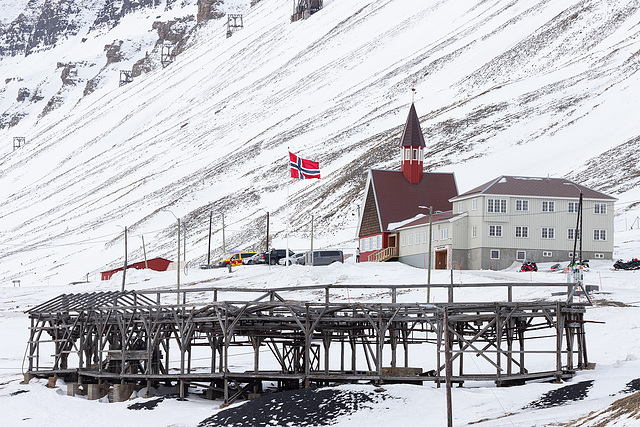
{"x":136,"y":338}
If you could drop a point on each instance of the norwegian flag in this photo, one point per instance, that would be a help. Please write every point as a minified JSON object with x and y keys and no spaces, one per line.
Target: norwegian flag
{"x":303,"y":168}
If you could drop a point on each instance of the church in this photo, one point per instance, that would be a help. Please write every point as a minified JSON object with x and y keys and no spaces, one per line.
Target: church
{"x":391,"y":197}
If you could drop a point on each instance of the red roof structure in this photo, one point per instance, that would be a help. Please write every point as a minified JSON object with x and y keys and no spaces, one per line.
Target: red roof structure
{"x":535,"y":187}
{"x":157,"y":264}
{"x":396,"y":199}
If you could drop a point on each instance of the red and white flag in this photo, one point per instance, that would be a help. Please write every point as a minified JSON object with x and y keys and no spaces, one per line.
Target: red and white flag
{"x":303,"y":168}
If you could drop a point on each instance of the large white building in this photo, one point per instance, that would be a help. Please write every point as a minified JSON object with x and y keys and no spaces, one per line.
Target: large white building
{"x":512,"y":219}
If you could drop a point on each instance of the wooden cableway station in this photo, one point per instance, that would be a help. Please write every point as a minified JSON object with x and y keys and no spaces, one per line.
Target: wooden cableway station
{"x":238,"y":348}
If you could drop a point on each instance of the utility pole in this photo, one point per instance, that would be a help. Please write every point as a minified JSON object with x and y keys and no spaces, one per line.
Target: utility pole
{"x":311,"y":239}
{"x":124,"y":270}
{"x":224,"y":250}
{"x":430,"y":240}
{"x":178,"y":265}
{"x":144,"y":251}
{"x":209,"y":247}
{"x":267,"y":245}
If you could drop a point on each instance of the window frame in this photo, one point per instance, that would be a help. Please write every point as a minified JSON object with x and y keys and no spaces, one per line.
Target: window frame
{"x":548,"y":206}
{"x":497,"y":230}
{"x":524,"y":231}
{"x":524,"y":205}
{"x":598,"y":234}
{"x":524,"y":255}
{"x":573,"y":207}
{"x":496,"y":205}
{"x":494,"y":251}
{"x":599,"y":208}
{"x":549,"y":231}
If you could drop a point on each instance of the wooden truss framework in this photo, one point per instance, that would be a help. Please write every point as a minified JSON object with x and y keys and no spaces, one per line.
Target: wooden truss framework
{"x":303,"y":9}
{"x":234,"y":23}
{"x":118,"y":337}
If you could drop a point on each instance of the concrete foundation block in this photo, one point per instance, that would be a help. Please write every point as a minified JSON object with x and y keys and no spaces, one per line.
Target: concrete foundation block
{"x":27,"y":378}
{"x":122,"y":392}
{"x":74,"y":389}
{"x":52,"y":382}
{"x":97,"y":391}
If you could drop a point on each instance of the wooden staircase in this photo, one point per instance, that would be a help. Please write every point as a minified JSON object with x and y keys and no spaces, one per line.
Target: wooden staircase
{"x":383,"y":255}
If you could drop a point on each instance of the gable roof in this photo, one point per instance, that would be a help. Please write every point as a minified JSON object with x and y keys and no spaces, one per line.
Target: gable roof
{"x":397,"y":199}
{"x":412,"y":133}
{"x":534,"y":187}
{"x":424,"y":219}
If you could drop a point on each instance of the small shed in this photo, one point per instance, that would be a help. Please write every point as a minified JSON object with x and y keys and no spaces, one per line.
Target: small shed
{"x":157,"y":264}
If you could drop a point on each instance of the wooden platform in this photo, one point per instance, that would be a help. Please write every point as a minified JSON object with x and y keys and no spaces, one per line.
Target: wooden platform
{"x":240,"y":347}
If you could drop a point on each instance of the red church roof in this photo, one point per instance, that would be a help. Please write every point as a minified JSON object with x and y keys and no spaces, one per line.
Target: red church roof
{"x":397,"y":199}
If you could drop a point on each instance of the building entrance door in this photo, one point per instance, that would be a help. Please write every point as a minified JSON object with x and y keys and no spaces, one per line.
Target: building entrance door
{"x":441,"y":260}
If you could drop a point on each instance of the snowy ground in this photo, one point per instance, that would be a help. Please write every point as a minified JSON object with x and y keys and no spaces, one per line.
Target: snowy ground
{"x":613,"y":345}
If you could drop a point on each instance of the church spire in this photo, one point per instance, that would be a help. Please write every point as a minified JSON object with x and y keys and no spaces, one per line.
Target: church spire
{"x":412,"y":148}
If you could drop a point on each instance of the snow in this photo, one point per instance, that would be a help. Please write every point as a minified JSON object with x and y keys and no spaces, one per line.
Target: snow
{"x":612,"y":345}
{"x":503,"y":91}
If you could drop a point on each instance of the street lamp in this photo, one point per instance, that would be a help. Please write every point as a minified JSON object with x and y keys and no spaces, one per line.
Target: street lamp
{"x":430,"y":239}
{"x":178,"y":260}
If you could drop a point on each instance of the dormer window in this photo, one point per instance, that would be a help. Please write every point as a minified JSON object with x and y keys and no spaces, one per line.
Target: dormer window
{"x":407,"y":154}
{"x":415,"y":154}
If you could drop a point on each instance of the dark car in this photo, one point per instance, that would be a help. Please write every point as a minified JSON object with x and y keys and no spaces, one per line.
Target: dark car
{"x":275,"y":255}
{"x":323,"y":257}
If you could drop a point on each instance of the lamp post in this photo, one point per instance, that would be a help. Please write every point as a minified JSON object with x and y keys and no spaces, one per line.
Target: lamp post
{"x":178,"y":260}
{"x":430,"y":239}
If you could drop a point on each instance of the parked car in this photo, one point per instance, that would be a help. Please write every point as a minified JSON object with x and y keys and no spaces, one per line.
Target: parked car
{"x":275,"y":255}
{"x":293,"y":259}
{"x":323,"y":257}
{"x":235,"y":258}
{"x":259,"y":258}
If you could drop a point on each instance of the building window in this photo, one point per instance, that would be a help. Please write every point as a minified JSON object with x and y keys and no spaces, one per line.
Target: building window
{"x":415,"y":154}
{"x":365,"y":246}
{"x":547,"y":254}
{"x":573,"y":207}
{"x":380,"y":241}
{"x":522,"y":205}
{"x":522,"y":231}
{"x":548,"y":206}
{"x":444,"y":233}
{"x":474,"y":231}
{"x":495,"y":253}
{"x":460,"y":207}
{"x":403,"y":240}
{"x":599,"y":234}
{"x":495,"y":231}
{"x":407,"y":154}
{"x":372,"y":241}
{"x":474,"y":204}
{"x":571,"y":255}
{"x":600,"y":208}
{"x":421,"y":155}
{"x":417,"y":238}
{"x":410,"y":239}
{"x":548,"y":233}
{"x":521,"y":255}
{"x":424,"y":236}
{"x":598,"y":256}
{"x":572,"y":233}
{"x":497,"y":205}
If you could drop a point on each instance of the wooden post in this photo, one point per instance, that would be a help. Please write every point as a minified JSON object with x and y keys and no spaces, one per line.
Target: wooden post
{"x":447,"y":361}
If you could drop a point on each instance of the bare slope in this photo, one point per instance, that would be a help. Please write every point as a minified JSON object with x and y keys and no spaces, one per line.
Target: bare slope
{"x":503,"y":87}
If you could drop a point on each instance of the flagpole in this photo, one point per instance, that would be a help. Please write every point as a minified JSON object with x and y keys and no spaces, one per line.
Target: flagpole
{"x":286,"y":262}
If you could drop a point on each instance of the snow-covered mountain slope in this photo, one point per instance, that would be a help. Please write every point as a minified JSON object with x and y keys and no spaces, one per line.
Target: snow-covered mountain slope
{"x":503,"y":87}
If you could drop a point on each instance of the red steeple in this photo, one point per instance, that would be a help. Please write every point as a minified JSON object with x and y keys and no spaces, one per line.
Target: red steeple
{"x":412,"y":148}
